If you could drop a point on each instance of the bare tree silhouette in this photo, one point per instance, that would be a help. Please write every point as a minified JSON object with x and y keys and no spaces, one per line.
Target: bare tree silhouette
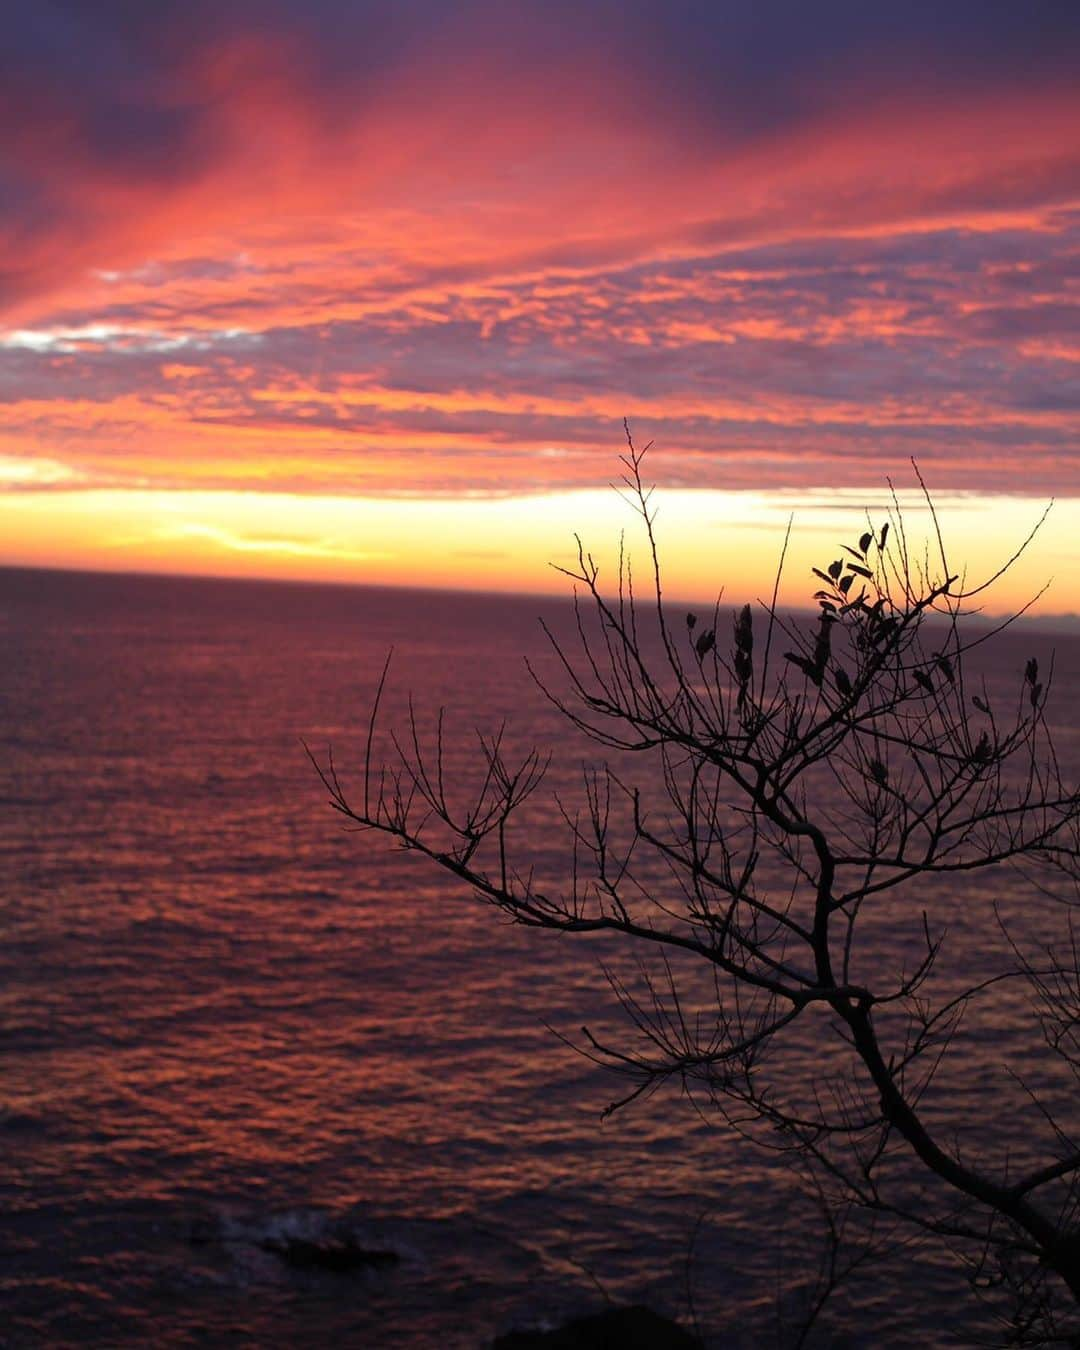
{"x":805,"y":786}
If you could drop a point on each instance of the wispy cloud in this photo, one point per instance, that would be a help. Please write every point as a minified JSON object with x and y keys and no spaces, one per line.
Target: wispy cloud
{"x":32,"y":473}
{"x":277,"y":546}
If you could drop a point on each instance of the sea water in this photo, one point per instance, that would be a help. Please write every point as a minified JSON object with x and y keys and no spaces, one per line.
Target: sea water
{"x":228,"y":1022}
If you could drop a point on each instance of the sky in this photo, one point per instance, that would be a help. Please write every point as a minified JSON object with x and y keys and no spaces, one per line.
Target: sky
{"x":364,"y":291}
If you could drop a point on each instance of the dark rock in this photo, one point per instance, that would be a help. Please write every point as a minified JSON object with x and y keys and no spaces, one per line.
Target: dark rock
{"x":204,"y":1229}
{"x":340,"y":1255}
{"x":633,"y":1328}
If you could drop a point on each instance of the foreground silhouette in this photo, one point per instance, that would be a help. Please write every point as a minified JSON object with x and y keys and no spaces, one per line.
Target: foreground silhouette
{"x":808,"y":788}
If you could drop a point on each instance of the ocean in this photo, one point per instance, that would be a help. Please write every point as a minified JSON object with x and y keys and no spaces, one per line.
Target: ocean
{"x":229,"y":1023}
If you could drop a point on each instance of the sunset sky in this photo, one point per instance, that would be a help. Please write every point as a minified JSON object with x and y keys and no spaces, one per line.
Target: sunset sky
{"x":363,"y":291}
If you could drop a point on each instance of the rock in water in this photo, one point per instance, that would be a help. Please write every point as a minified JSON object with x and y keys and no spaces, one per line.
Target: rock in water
{"x":337,"y":1254}
{"x":634,"y":1328}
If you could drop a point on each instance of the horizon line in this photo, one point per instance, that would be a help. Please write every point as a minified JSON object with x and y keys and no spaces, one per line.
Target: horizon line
{"x":1068,"y":621}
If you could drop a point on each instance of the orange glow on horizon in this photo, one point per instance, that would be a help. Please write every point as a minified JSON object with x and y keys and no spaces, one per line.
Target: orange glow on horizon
{"x":708,"y":540}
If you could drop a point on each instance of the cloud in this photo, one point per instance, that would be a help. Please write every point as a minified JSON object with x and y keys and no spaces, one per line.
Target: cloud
{"x":25,"y":473}
{"x":412,"y":249}
{"x":124,"y":126}
{"x":277,"y":546}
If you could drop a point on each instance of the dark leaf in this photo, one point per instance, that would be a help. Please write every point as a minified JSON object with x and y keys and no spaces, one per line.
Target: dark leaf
{"x":878,"y":772}
{"x":862,"y":571}
{"x":845,"y":584}
{"x":842,"y":682}
{"x":835,"y":568}
{"x":804,"y":665}
{"x":1031,"y":671}
{"x":884,"y":536}
{"x":865,"y":540}
{"x":979,"y":703}
{"x":744,"y":630}
{"x":945,"y":666}
{"x":704,"y":643}
{"x":816,"y":669}
{"x":921,"y":678}
{"x":691,"y":620}
{"x":853,"y":604}
{"x":819,"y":573}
